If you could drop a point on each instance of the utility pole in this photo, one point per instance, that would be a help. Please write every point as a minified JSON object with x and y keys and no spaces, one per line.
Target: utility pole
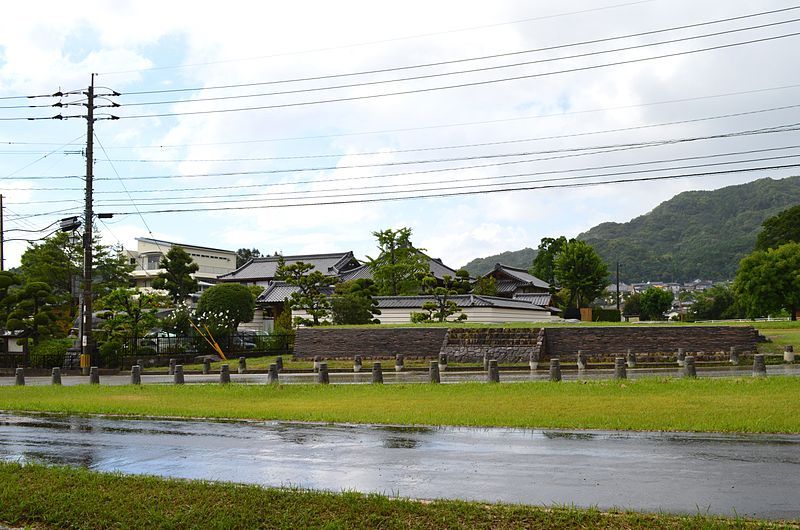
{"x":618,"y":286}
{"x":2,"y":236}
{"x":86,"y":338}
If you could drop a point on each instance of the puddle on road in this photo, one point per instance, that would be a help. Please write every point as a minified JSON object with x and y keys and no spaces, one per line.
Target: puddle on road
{"x":749,"y":475}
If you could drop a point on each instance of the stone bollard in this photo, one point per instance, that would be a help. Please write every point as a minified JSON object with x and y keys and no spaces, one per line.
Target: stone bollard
{"x":442,"y":362}
{"x":631,"y":359}
{"x":759,"y":366}
{"x":322,"y":374}
{"x":377,"y":373}
{"x":689,"y":369}
{"x":533,"y":363}
{"x":172,"y":363}
{"x":55,"y":376}
{"x":681,"y":356}
{"x":19,"y":377}
{"x":788,"y":354}
{"x":357,"y":363}
{"x":136,"y":374}
{"x":242,"y":365}
{"x":279,"y":363}
{"x":433,"y":373}
{"x":485,"y":363}
{"x":581,"y":360}
{"x":734,"y":355}
{"x":620,"y":370}
{"x":206,"y":366}
{"x":177,"y":377}
{"x":555,"y":370}
{"x":493,"y":374}
{"x":399,"y":362}
{"x":224,"y":374}
{"x":272,"y":375}
{"x":94,"y":375}
{"x":317,"y":360}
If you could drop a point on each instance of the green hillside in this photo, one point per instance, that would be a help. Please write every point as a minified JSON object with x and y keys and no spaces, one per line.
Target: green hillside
{"x":696,"y":234}
{"x":513,"y":258}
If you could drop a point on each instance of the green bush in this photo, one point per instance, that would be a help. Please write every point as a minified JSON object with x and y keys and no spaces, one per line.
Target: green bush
{"x":605,"y":315}
{"x":48,"y":352}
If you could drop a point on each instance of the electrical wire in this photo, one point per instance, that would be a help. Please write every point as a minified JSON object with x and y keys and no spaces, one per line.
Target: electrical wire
{"x":462,"y":85}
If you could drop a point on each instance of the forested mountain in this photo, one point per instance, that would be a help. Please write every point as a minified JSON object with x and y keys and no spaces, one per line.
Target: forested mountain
{"x":696,"y":234}
{"x":513,"y":258}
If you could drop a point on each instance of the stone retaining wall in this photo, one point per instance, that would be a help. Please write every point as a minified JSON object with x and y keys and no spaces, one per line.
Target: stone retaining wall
{"x":520,"y":344}
{"x":507,"y":345}
{"x":600,"y":341}
{"x":374,"y":342}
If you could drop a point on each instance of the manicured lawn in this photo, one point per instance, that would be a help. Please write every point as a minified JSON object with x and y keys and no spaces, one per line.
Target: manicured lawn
{"x":725,"y":405}
{"x":59,"y":497}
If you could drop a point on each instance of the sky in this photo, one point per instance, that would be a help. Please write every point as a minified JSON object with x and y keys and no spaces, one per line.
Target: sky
{"x":286,"y":126}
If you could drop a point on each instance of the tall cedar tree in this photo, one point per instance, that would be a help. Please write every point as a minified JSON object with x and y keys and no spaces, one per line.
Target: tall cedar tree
{"x":780,"y":229}
{"x":581,"y":273}
{"x":399,"y":266}
{"x":313,"y":289}
{"x":176,"y":279}
{"x":768,"y":281}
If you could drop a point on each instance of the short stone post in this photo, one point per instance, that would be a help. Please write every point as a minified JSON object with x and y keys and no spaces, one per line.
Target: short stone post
{"x":681,"y":356}
{"x":485,"y":362}
{"x":272,"y":375}
{"x":279,"y":363}
{"x":631,"y":359}
{"x":177,"y":377}
{"x":759,"y":366}
{"x":399,"y":362}
{"x":55,"y":376}
{"x":206,"y":366}
{"x":734,"y":355}
{"x":493,"y":374}
{"x":442,"y":362}
{"x":224,"y":374}
{"x":555,"y":370}
{"x":19,"y":377}
{"x":172,"y":363}
{"x":581,"y":360}
{"x":317,"y":360}
{"x":788,"y":354}
{"x":242,"y":365}
{"x":377,"y":373}
{"x":533,"y":362}
{"x":689,"y":369}
{"x":94,"y":375}
{"x":357,"y":363}
{"x":136,"y":374}
{"x":433,"y":373}
{"x":322,"y":374}
{"x":620,"y":368}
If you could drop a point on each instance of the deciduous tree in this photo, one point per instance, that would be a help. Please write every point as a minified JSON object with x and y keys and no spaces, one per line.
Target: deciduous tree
{"x":654,"y":302}
{"x":544,"y":263}
{"x":227,"y":304}
{"x":580,"y":272}
{"x":768,"y":281}
{"x":780,"y":229}
{"x":130,"y":313}
{"x":354,"y":302}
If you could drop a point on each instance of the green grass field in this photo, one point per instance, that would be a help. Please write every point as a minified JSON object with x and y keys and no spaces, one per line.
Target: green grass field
{"x":60,"y":497}
{"x":723,"y":405}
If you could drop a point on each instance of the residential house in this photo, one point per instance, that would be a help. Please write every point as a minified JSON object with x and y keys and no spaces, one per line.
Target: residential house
{"x":478,"y":308}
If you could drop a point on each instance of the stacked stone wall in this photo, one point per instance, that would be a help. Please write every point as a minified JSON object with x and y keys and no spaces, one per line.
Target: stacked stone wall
{"x":506,"y":345}
{"x":374,"y":342}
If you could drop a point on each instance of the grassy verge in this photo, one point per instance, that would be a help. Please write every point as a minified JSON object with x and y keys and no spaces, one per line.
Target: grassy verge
{"x":59,"y":497}
{"x":722,"y":405}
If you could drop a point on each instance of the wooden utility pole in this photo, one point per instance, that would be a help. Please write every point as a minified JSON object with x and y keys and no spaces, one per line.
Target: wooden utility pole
{"x":87,"y":348}
{"x":2,"y":236}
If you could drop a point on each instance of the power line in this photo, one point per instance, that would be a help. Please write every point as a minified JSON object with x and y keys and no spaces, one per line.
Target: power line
{"x":42,"y":157}
{"x":445,"y":74}
{"x":463,"y":146}
{"x":463,"y":85}
{"x":520,"y":21}
{"x":464,"y":193}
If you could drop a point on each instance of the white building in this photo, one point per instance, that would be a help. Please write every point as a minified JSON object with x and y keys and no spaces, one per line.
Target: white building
{"x":212,"y":262}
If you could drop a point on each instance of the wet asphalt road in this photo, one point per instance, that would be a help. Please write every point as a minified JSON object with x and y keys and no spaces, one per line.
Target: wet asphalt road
{"x":748,"y":475}
{"x":391,"y":377}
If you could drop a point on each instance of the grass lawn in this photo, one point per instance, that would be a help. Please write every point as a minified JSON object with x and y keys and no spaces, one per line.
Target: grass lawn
{"x":724,"y":405}
{"x":60,"y":497}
